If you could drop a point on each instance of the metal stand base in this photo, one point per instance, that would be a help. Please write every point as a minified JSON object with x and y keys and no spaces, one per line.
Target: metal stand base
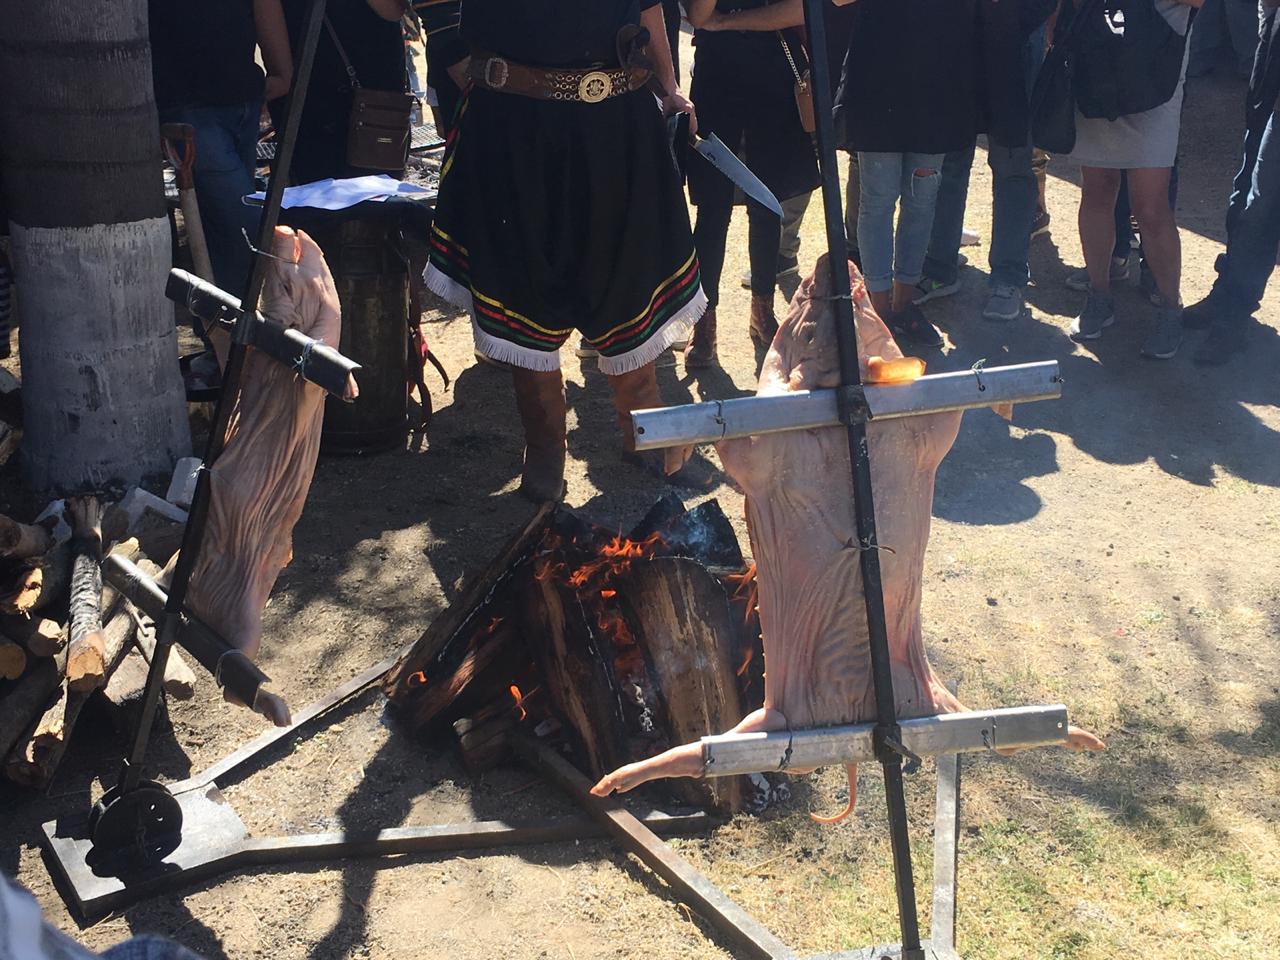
{"x":215,"y":840}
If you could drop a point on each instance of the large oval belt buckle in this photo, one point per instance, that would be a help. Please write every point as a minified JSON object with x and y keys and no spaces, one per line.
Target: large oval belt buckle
{"x":595,"y":86}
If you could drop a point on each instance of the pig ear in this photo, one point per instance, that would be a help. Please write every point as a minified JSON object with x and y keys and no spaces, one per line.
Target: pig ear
{"x":285,"y":244}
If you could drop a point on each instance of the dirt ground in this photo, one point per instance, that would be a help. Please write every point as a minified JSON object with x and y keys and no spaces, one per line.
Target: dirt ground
{"x":1114,"y":550}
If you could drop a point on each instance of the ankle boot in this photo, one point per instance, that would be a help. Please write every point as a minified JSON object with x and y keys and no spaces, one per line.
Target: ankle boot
{"x":764,"y":325}
{"x":540,"y":400}
{"x":638,"y":390}
{"x":700,"y":352}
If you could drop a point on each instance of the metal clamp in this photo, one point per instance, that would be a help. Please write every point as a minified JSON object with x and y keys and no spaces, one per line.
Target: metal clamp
{"x":851,"y":405}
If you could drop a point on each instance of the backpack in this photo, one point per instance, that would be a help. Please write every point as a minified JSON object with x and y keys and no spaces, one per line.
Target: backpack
{"x":1126,"y":58}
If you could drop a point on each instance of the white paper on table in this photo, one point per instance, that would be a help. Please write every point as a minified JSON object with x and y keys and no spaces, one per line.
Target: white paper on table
{"x":333,"y":194}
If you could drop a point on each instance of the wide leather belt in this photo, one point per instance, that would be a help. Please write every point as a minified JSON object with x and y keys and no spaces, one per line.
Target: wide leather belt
{"x":577,"y":86}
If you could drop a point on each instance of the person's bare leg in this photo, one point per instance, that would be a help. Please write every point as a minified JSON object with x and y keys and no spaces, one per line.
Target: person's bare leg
{"x":1097,"y":220}
{"x":1149,"y":200}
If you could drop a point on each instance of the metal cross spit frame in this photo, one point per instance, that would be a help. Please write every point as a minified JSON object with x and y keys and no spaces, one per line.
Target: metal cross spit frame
{"x":133,"y":843}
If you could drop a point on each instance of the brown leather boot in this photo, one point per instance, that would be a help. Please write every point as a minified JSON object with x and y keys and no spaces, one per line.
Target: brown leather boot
{"x":540,"y":400}
{"x":764,"y":325}
{"x":638,"y":390}
{"x":700,"y":352}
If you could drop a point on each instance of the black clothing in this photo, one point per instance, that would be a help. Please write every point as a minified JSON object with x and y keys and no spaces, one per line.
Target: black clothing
{"x":711,"y":233}
{"x":1004,"y":105}
{"x":584,"y":227}
{"x":375,"y":48}
{"x":910,"y":77}
{"x":550,"y":33}
{"x":202,"y":53}
{"x":744,"y":92}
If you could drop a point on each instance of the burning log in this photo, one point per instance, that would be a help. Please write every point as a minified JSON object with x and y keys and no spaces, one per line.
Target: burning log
{"x":86,"y":651}
{"x":630,"y":642}
{"x":407,"y":674}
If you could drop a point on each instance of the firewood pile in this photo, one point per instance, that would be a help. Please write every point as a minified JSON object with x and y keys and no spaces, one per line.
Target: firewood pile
{"x":617,"y":646}
{"x":67,"y":643}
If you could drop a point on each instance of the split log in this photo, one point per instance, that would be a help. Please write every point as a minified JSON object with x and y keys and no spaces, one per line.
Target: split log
{"x":680,"y":618}
{"x":576,"y":671}
{"x":396,"y":684}
{"x":124,"y":689}
{"x":21,"y":587}
{"x":130,"y":549}
{"x":86,"y":661}
{"x":20,"y":540}
{"x":482,"y":666}
{"x":34,"y":759}
{"x":13,"y":660}
{"x":41,"y":637}
{"x":27,"y":698}
{"x":179,"y":678}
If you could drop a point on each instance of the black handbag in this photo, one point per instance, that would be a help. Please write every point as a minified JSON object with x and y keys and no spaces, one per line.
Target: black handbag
{"x":1053,"y":99}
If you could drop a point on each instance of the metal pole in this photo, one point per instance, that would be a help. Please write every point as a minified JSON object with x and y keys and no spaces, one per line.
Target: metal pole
{"x":864,"y":507}
{"x":193,"y":535}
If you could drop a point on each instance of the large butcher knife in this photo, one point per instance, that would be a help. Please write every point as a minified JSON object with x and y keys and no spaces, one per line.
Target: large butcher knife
{"x":718,"y":154}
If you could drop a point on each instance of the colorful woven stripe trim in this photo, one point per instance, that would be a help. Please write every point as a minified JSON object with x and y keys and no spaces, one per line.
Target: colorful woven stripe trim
{"x":670,"y":297}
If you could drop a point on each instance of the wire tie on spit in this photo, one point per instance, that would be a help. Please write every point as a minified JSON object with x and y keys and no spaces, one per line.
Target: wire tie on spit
{"x":263,"y":253}
{"x":786,"y":754}
{"x":301,"y":363}
{"x":977,"y":369}
{"x":989,"y":736}
{"x":719,"y":419}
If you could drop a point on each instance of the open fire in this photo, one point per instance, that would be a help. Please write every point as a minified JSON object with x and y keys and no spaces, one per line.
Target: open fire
{"x":623,"y":643}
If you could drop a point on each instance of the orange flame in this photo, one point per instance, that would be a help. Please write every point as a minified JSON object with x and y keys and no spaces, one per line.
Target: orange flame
{"x":519,"y":699}
{"x":417,"y":679}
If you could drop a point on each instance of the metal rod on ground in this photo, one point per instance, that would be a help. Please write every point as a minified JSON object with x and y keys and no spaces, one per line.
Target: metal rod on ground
{"x":716,"y":420}
{"x":864,"y":507}
{"x":193,"y":535}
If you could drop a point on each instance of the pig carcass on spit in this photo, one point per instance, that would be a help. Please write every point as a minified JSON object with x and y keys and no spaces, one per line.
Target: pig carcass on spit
{"x":259,"y":483}
{"x":800,"y":514}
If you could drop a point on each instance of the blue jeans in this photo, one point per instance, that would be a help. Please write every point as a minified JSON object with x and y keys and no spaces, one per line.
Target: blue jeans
{"x":886,"y":179}
{"x":1013,"y":208}
{"x":1253,"y":222}
{"x":1015,"y":197}
{"x":226,"y":153}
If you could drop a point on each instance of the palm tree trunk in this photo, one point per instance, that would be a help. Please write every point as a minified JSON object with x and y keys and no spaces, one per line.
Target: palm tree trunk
{"x":103,"y":400}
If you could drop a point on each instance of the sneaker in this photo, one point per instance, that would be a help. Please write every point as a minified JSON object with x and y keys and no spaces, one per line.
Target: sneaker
{"x":1079,"y":279}
{"x":1040,"y":224}
{"x":1226,"y":339}
{"x":585,"y":350}
{"x":913,"y":327}
{"x":787,"y":267}
{"x":929,"y":289}
{"x":1004,"y":304}
{"x":969,"y":238}
{"x":1202,"y":315}
{"x":1098,"y":314}
{"x":1166,"y":334}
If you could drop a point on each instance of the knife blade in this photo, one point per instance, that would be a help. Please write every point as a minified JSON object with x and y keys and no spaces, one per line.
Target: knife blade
{"x":727,"y":162}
